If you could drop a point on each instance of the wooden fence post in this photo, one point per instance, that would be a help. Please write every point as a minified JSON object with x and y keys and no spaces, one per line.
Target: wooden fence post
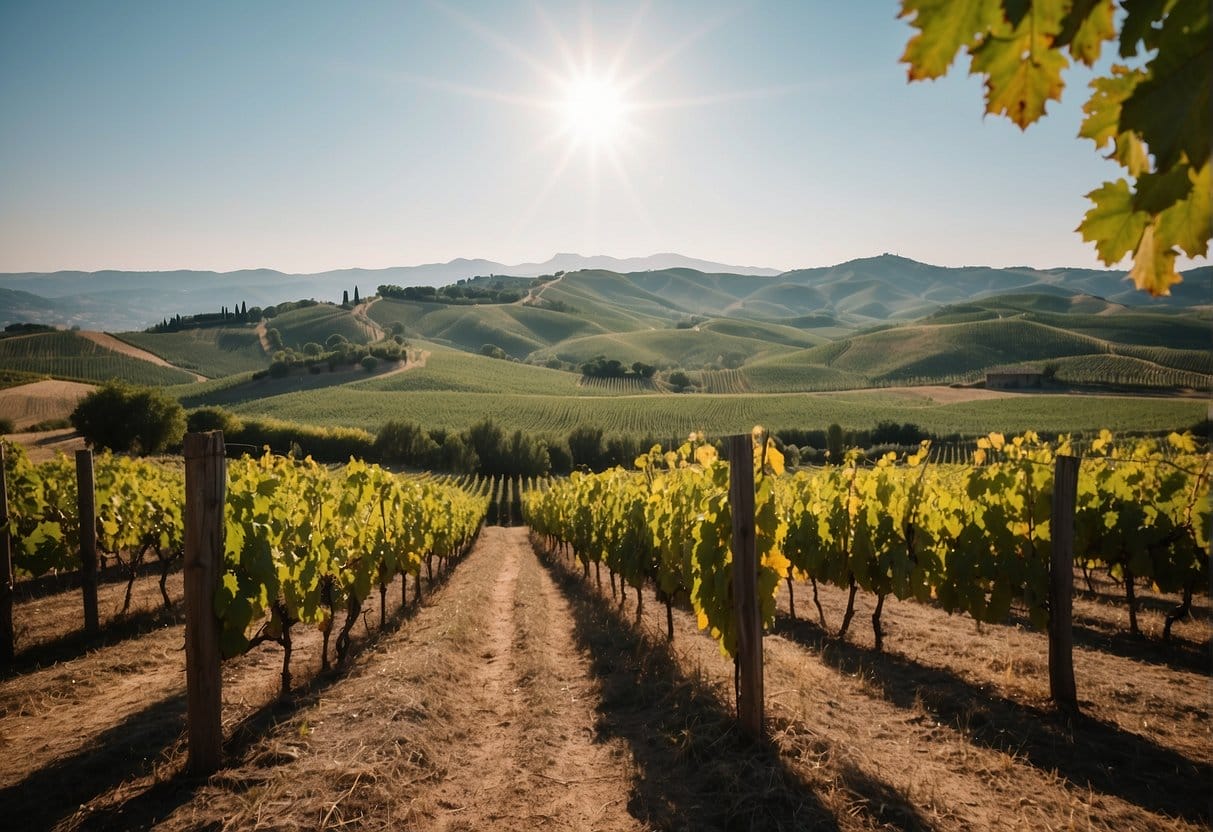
{"x":1061,"y":584}
{"x":7,"y":649}
{"x":86,"y":500}
{"x":746,"y":610}
{"x":205,"y":495}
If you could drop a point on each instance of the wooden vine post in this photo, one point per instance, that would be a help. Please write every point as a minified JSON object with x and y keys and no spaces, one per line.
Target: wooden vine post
{"x":1061,"y":585}
{"x":7,"y":651}
{"x":86,"y":500}
{"x":205,"y":495}
{"x":746,"y":611}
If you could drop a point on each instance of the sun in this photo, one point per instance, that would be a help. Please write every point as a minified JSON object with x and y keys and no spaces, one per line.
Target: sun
{"x":594,"y":110}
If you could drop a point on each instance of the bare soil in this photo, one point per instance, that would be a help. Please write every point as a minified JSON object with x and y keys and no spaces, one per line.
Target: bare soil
{"x":39,"y":401}
{"x":520,"y":695}
{"x":42,"y":446}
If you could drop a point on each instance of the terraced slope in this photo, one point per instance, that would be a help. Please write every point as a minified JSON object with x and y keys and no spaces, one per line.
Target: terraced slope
{"x":214,"y":352}
{"x":67,"y":355}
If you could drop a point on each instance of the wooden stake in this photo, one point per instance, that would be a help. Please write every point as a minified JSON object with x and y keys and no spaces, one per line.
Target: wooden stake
{"x":746,"y":611}
{"x":7,"y":650}
{"x":205,"y":494}
{"x":1061,"y":585}
{"x":86,"y":501}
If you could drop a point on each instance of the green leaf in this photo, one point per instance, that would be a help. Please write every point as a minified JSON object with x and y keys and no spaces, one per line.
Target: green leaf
{"x":1156,"y":192}
{"x":1113,"y":225}
{"x":1023,"y":71}
{"x":1187,"y":223}
{"x":944,"y":28}
{"x":1140,"y":17}
{"x":1171,"y":108}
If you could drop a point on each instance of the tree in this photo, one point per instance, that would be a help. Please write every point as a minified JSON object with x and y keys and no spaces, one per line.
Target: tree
{"x":123,"y":418}
{"x":585,"y":446}
{"x":1151,"y":114}
{"x":345,"y":297}
{"x":834,"y":442}
{"x":355,"y":295}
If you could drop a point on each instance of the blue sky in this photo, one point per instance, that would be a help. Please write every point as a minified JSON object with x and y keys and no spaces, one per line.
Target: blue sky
{"x":309,"y":136}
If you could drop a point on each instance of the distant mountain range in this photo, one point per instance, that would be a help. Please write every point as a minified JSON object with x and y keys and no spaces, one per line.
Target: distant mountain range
{"x":857,"y":292}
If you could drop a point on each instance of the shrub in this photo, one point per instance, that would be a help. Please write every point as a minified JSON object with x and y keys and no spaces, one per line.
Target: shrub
{"x":212,"y":418}
{"x":125,"y":418}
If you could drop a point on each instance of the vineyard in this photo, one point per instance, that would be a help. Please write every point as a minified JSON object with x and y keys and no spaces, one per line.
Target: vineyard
{"x":360,"y":406}
{"x":212,"y":351}
{"x":519,"y":692}
{"x":302,"y":543}
{"x":971,"y":538}
{"x":69,"y":356}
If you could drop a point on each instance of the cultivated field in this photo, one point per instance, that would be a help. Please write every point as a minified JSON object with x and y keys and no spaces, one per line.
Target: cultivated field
{"x":41,"y":401}
{"x":521,"y":696}
{"x":676,"y":415}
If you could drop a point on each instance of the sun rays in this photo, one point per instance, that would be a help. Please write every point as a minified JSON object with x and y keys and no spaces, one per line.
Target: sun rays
{"x":598,"y":101}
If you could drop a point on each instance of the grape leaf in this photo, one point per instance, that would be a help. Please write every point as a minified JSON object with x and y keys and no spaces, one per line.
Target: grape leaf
{"x":944,"y":28}
{"x":1156,"y":192}
{"x":1138,"y":27}
{"x":1085,"y":27}
{"x":1113,"y":225}
{"x":1023,"y":71}
{"x":1186,"y":224}
{"x":1154,"y":265}
{"x":1170,"y":110}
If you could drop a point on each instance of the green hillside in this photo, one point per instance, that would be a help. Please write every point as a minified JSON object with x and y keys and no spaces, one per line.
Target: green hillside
{"x":70,"y":356}
{"x":212,"y":351}
{"x":316,"y":324}
{"x":516,"y":328}
{"x":689,"y":347}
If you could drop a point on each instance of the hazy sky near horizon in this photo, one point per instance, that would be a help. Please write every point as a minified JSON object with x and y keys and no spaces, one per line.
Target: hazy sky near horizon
{"x":306,"y":136}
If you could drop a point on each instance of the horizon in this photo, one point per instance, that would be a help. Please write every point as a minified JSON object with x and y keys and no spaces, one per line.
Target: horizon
{"x":784,"y":135}
{"x":1099,"y":267}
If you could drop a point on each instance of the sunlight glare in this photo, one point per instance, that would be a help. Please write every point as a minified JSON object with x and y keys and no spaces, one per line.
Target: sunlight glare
{"x":593,"y":110}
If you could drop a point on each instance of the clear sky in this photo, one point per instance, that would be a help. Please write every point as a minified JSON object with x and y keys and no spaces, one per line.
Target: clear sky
{"x":305,"y":136}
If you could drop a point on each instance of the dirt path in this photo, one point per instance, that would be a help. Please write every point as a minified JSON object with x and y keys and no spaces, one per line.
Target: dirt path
{"x":109,"y":342}
{"x":422,"y":357}
{"x":533,"y":762}
{"x":374,"y":330}
{"x":949,"y":728}
{"x":262,"y":330}
{"x":534,"y":295}
{"x":478,"y":712}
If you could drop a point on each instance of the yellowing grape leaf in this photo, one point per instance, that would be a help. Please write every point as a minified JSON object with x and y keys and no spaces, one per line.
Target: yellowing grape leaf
{"x":944,"y":28}
{"x":1113,"y":225}
{"x":1022,"y":71}
{"x":1154,"y":265}
{"x":1086,"y":26}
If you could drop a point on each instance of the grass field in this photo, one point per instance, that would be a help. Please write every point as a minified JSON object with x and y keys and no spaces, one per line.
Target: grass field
{"x":69,"y":356}
{"x":315,"y":324}
{"x":214,"y":351}
{"x":517,"y":329}
{"x":675,"y":415}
